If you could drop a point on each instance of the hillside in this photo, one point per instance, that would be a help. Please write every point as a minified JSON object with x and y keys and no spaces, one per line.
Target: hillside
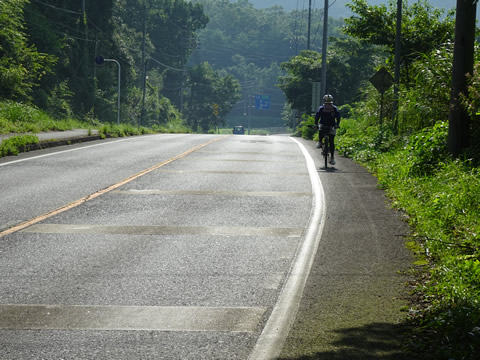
{"x":337,"y":7}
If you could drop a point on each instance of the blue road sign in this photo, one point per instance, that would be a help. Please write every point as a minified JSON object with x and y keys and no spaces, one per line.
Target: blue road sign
{"x":262,"y":102}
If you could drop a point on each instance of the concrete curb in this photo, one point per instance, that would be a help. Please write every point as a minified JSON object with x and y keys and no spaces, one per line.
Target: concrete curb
{"x":57,"y":138}
{"x":53,"y":143}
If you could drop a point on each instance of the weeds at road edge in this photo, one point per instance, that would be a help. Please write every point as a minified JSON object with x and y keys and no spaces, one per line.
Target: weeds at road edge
{"x":441,"y":198}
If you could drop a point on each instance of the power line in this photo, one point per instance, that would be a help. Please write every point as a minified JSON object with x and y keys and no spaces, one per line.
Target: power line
{"x":59,"y":9}
{"x":164,"y":65}
{"x":109,"y":40}
{"x":220,"y":49}
{"x":65,"y":34}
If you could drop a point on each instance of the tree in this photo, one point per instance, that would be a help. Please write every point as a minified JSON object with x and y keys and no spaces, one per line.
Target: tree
{"x":62,"y":29}
{"x":210,"y":97}
{"x":172,"y":27}
{"x":170,"y":24}
{"x":21,"y":65}
{"x":350,"y":64}
{"x":301,"y":70}
{"x":423,"y":27}
{"x":463,"y":54}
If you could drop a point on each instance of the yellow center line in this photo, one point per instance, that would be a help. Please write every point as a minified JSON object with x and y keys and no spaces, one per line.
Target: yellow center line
{"x":101,"y":192}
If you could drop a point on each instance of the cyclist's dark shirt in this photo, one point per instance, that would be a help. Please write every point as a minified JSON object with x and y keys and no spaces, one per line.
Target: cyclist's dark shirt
{"x":327,"y":118}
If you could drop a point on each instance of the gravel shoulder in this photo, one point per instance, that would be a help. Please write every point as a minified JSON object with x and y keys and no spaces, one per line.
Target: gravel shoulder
{"x":351,"y":307}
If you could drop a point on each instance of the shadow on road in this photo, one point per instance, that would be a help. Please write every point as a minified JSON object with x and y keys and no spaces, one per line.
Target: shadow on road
{"x":377,"y":341}
{"x":329,"y":169}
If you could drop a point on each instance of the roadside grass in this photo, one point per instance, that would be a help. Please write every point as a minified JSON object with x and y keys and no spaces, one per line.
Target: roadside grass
{"x":22,"y":121}
{"x":18,"y":118}
{"x":441,"y":197}
{"x":16,"y":144}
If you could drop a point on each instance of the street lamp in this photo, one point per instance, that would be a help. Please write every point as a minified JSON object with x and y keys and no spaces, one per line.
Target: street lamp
{"x":99,"y":60}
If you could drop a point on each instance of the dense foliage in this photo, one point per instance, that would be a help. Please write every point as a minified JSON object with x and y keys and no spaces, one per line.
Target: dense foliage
{"x":439,"y":194}
{"x":48,"y":50}
{"x":60,"y":41}
{"x":349,"y":65}
{"x":210,"y":97}
{"x":21,"y":65}
{"x":423,"y":27}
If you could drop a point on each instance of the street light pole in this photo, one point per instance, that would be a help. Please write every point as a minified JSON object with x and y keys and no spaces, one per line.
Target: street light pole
{"x":118,"y":101}
{"x":144,"y":65}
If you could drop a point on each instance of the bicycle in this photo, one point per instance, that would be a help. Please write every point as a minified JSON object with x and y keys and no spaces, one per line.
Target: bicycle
{"x":326,"y":142}
{"x":325,"y":149}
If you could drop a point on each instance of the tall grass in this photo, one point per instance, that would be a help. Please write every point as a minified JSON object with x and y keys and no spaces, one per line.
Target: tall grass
{"x":441,"y":198}
{"x":24,"y":120}
{"x":21,"y":118}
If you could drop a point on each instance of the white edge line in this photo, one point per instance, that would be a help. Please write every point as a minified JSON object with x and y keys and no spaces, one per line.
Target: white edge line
{"x":70,"y":150}
{"x":270,"y":342}
{"x":62,"y":152}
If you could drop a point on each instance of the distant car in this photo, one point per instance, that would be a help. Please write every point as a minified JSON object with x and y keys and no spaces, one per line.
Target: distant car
{"x":238,"y":130}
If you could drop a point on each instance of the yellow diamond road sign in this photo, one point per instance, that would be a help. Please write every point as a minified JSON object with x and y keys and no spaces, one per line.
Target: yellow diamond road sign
{"x":215,"y":109}
{"x":382,"y":80}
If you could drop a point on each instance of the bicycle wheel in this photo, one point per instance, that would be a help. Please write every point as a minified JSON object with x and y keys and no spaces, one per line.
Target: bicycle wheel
{"x":325,"y":150}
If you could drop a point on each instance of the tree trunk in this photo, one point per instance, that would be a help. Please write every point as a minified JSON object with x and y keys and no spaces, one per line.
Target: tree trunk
{"x":459,"y":121}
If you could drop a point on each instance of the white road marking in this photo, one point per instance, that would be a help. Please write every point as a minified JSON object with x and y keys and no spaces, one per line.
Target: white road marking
{"x":212,"y":192}
{"x":63,"y":152}
{"x":163,"y":230}
{"x":270,"y":343}
{"x":77,"y":149}
{"x":108,"y":317}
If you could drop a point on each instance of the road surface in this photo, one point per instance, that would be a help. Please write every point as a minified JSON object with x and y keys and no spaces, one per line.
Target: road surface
{"x":187,"y":247}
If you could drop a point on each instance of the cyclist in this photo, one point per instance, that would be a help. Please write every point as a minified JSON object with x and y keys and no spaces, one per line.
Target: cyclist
{"x":327,"y":118}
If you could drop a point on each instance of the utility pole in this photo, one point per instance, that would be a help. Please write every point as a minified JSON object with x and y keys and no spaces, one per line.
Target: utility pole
{"x":249,"y":115}
{"x":463,"y":54}
{"x":181,"y":86}
{"x":88,"y":92}
{"x":144,"y":64}
{"x":398,"y":44}
{"x":323,"y":80}
{"x":95,"y":75}
{"x":245,"y":109}
{"x":309,"y":23}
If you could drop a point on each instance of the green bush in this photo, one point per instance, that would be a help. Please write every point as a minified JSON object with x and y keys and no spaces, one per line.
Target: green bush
{"x":13,"y":145}
{"x":306,"y":128}
{"x":363,"y":142}
{"x":428,"y":148}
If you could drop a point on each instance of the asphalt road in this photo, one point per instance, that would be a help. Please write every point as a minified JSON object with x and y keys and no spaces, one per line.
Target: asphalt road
{"x":194,"y":247}
{"x":186,"y":261}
